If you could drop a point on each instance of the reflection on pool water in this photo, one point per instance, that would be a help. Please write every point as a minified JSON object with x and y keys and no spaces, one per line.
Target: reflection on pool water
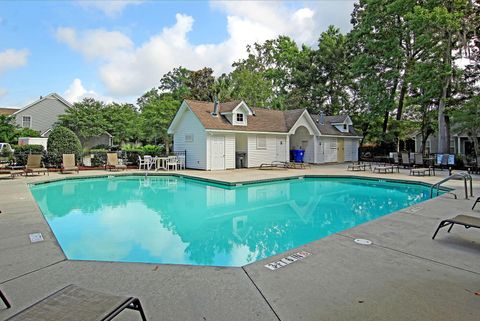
{"x":167,"y":219}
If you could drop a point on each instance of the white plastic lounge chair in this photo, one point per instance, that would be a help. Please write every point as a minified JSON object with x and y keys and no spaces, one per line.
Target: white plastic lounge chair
{"x":76,"y":303}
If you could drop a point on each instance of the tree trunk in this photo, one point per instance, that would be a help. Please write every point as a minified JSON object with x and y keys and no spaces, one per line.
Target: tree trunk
{"x":443,"y":139}
{"x":167,"y":144}
{"x":401,"y":100}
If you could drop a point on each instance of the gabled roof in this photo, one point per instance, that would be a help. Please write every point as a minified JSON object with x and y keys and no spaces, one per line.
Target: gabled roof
{"x":229,"y":106}
{"x":49,"y":96}
{"x":291,"y":117}
{"x":8,"y":111}
{"x":264,"y":120}
{"x":328,"y":129}
{"x":338,"y":119}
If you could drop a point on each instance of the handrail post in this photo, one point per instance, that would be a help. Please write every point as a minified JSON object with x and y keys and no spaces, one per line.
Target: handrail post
{"x":466,"y":188}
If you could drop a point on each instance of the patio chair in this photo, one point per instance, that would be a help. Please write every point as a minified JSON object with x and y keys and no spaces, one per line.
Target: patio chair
{"x":141,"y":163}
{"x":76,"y":303}
{"x":419,"y":168}
{"x":4,"y":299}
{"x":34,"y":165}
{"x":68,"y":164}
{"x":172,"y":161}
{"x":466,"y":220}
{"x":181,"y":161}
{"x":112,"y":162}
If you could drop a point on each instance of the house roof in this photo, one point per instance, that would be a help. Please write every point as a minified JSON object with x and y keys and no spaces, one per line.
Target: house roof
{"x":229,"y":106}
{"x":338,"y":119}
{"x":8,"y":111}
{"x":264,"y":120}
{"x":291,"y":117}
{"x":328,"y":129}
{"x":49,"y":96}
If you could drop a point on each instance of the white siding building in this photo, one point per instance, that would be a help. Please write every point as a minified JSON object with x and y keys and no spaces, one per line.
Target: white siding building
{"x":218,"y":136}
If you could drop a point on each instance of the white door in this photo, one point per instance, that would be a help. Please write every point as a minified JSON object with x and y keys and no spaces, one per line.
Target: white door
{"x":281,"y":149}
{"x":217,"y":153}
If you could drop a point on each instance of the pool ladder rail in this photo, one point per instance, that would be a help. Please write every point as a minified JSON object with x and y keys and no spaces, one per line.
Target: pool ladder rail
{"x":464,"y":175}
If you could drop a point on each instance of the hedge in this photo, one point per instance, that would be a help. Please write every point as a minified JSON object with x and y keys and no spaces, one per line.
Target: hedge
{"x":62,"y":141}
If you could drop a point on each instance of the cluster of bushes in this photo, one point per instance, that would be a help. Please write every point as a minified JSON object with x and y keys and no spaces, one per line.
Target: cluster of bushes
{"x":64,"y":141}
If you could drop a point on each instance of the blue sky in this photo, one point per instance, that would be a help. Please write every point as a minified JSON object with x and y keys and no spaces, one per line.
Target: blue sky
{"x":116,"y":50}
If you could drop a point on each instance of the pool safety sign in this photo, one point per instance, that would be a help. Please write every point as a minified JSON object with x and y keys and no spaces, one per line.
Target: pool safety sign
{"x":35,"y":237}
{"x":287,"y":260}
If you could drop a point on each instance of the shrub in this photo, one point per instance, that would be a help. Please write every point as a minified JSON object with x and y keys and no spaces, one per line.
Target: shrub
{"x":21,"y":152}
{"x":62,"y":141}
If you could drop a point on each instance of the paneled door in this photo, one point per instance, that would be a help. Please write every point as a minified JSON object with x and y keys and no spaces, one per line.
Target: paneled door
{"x":217,"y":153}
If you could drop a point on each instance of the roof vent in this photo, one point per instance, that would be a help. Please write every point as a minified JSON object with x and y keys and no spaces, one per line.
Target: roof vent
{"x":215,"y":107}
{"x":41,"y":97}
{"x":321,"y":118}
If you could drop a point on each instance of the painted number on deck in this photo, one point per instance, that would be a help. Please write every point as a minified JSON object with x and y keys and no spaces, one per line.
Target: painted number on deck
{"x":287,"y":260}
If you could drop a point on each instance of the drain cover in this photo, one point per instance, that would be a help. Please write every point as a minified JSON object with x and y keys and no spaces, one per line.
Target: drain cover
{"x":36,"y":237}
{"x":363,"y":241}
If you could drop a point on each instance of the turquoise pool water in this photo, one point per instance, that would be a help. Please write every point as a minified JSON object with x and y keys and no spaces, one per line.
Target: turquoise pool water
{"x":167,"y":219}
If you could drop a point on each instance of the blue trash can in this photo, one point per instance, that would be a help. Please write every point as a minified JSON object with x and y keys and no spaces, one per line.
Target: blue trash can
{"x":298,"y":155}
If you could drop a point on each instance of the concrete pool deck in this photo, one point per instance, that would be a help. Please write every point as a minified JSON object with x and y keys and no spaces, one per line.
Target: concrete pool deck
{"x":403,"y":275}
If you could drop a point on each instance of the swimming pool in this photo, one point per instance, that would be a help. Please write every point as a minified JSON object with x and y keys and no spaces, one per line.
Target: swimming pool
{"x":179,"y":220}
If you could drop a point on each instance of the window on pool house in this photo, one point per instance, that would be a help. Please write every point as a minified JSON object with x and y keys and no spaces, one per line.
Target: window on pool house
{"x":239,"y":118}
{"x":261,"y":142}
{"x":27,"y":121}
{"x":188,"y":138}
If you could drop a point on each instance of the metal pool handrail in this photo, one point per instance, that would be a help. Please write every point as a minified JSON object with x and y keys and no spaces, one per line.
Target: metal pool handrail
{"x":466,"y":176}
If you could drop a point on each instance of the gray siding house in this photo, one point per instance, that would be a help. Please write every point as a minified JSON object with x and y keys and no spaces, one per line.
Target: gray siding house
{"x":41,"y":115}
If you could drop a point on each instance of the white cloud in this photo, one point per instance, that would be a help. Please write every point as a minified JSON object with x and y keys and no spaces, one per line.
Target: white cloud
{"x":96,"y":43}
{"x":12,"y":58}
{"x":128,"y":69}
{"x":77,"y":92}
{"x":111,"y":9}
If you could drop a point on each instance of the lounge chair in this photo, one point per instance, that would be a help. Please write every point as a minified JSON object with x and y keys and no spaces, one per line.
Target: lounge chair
{"x":112,"y":162}
{"x":419,"y":168}
{"x":466,"y":220}
{"x":68,"y":164}
{"x":476,"y":201}
{"x":76,"y":303}
{"x":11,"y":173}
{"x":274,"y":164}
{"x":386,"y":169}
{"x":358,"y":167}
{"x":405,"y":160}
{"x":297,"y":165}
{"x":34,"y":165}
{"x":4,"y":299}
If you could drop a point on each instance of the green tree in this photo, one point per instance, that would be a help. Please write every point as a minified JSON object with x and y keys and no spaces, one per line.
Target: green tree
{"x":157,"y":112}
{"x":7,"y":129}
{"x":466,"y":121}
{"x":122,"y":121}
{"x":86,"y":118}
{"x":201,"y":84}
{"x":175,"y":83}
{"x":252,"y":87}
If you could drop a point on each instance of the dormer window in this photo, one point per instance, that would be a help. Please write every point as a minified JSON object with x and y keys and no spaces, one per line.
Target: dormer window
{"x":345,"y":127}
{"x":240,"y":118}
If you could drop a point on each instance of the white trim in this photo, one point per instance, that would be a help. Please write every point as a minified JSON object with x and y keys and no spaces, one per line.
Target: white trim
{"x":49,"y":96}
{"x":31,"y":121}
{"x":242,"y":103}
{"x":243,"y":132}
{"x":316,"y":131}
{"x":178,"y":115}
